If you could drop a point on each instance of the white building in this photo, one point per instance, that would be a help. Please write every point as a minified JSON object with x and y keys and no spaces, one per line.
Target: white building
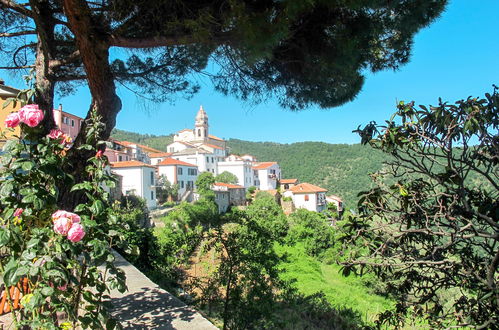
{"x":204,"y":160}
{"x":158,"y":157}
{"x":137,"y":179}
{"x":179,"y":172}
{"x":308,"y":196}
{"x":268,"y":174}
{"x":242,"y":169}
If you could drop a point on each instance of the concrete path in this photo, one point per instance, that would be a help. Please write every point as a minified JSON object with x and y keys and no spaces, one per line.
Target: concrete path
{"x":146,"y":306}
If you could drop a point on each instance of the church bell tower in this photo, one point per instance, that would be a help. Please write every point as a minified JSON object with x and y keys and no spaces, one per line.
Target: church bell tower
{"x":201,"y":125}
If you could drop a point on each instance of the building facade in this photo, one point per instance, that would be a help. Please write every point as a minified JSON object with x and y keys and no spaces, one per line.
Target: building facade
{"x":242,"y":169}
{"x":308,"y":196}
{"x":179,"y":172}
{"x":137,"y":179}
{"x":67,"y":122}
{"x":268,"y":174}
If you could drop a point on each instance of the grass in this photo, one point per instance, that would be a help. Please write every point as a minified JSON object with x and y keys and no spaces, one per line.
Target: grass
{"x":312,"y":276}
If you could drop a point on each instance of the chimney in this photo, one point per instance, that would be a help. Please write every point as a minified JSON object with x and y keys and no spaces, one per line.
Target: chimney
{"x":60,"y":107}
{"x":2,"y":82}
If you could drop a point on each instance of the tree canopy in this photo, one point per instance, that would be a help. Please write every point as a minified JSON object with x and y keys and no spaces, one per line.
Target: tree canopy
{"x":302,"y":52}
{"x":432,"y":232}
{"x":226,"y":177}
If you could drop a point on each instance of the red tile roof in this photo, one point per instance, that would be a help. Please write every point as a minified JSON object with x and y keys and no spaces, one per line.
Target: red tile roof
{"x":173,"y":161}
{"x":288,"y":181}
{"x":228,"y":185}
{"x":212,"y":146}
{"x":263,"y":165}
{"x":305,"y":187}
{"x":159,"y":154}
{"x":185,"y":129}
{"x":214,"y":137}
{"x":130,"y":163}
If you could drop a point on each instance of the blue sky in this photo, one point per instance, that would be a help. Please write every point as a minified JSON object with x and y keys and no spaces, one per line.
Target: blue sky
{"x":455,"y":57}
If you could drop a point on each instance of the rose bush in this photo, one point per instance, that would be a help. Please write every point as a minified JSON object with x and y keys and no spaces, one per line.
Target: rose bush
{"x":64,"y":256}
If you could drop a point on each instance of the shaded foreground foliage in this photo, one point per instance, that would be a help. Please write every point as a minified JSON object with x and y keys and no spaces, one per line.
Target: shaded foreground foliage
{"x":432,"y":233}
{"x":232,"y":271}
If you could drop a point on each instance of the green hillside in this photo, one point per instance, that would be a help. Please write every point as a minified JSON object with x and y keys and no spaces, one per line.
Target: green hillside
{"x":341,"y":168}
{"x":154,"y":141}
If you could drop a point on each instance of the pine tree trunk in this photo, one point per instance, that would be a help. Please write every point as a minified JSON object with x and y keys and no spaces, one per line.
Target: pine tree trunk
{"x":94,"y":52}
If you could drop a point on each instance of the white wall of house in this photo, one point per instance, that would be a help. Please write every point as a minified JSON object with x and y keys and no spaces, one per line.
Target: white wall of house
{"x":156,"y":160}
{"x":139,"y":181}
{"x":269,"y":176}
{"x":205,"y":162}
{"x":241,"y":169}
{"x":184,"y":176}
{"x":310,"y":201}
{"x":184,"y":135}
{"x":176,"y":146}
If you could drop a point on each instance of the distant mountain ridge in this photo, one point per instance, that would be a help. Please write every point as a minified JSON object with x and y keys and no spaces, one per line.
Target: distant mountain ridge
{"x":341,"y":168}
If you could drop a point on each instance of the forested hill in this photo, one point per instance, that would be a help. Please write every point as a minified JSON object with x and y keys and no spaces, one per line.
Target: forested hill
{"x":341,"y":168}
{"x":154,"y":141}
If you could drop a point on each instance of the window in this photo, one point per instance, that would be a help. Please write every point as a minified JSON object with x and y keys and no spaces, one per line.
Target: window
{"x":306,"y":198}
{"x":172,"y":149}
{"x":152,"y":178}
{"x":192,"y":171}
{"x":120,"y":158}
{"x":212,"y":160}
{"x":179,"y":171}
{"x":199,"y":132}
{"x":182,"y":184}
{"x":207,"y":159}
{"x":152,"y":195}
{"x":72,"y":123}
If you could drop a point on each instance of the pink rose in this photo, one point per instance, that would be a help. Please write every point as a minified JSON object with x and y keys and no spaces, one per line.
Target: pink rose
{"x":55,"y":134}
{"x":75,"y":218}
{"x":18,"y":212}
{"x":76,"y":233}
{"x":12,"y":120}
{"x":62,"y":225}
{"x":98,"y":154}
{"x":31,"y":115}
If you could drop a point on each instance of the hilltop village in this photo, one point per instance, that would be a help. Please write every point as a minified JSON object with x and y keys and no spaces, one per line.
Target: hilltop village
{"x":138,"y":168}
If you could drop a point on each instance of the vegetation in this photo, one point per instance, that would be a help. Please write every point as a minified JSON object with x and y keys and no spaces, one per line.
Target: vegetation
{"x":226,"y":177}
{"x":432,"y":233}
{"x":204,"y":183}
{"x":165,"y":190}
{"x":252,"y":267}
{"x":61,"y":259}
{"x":158,"y":142}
